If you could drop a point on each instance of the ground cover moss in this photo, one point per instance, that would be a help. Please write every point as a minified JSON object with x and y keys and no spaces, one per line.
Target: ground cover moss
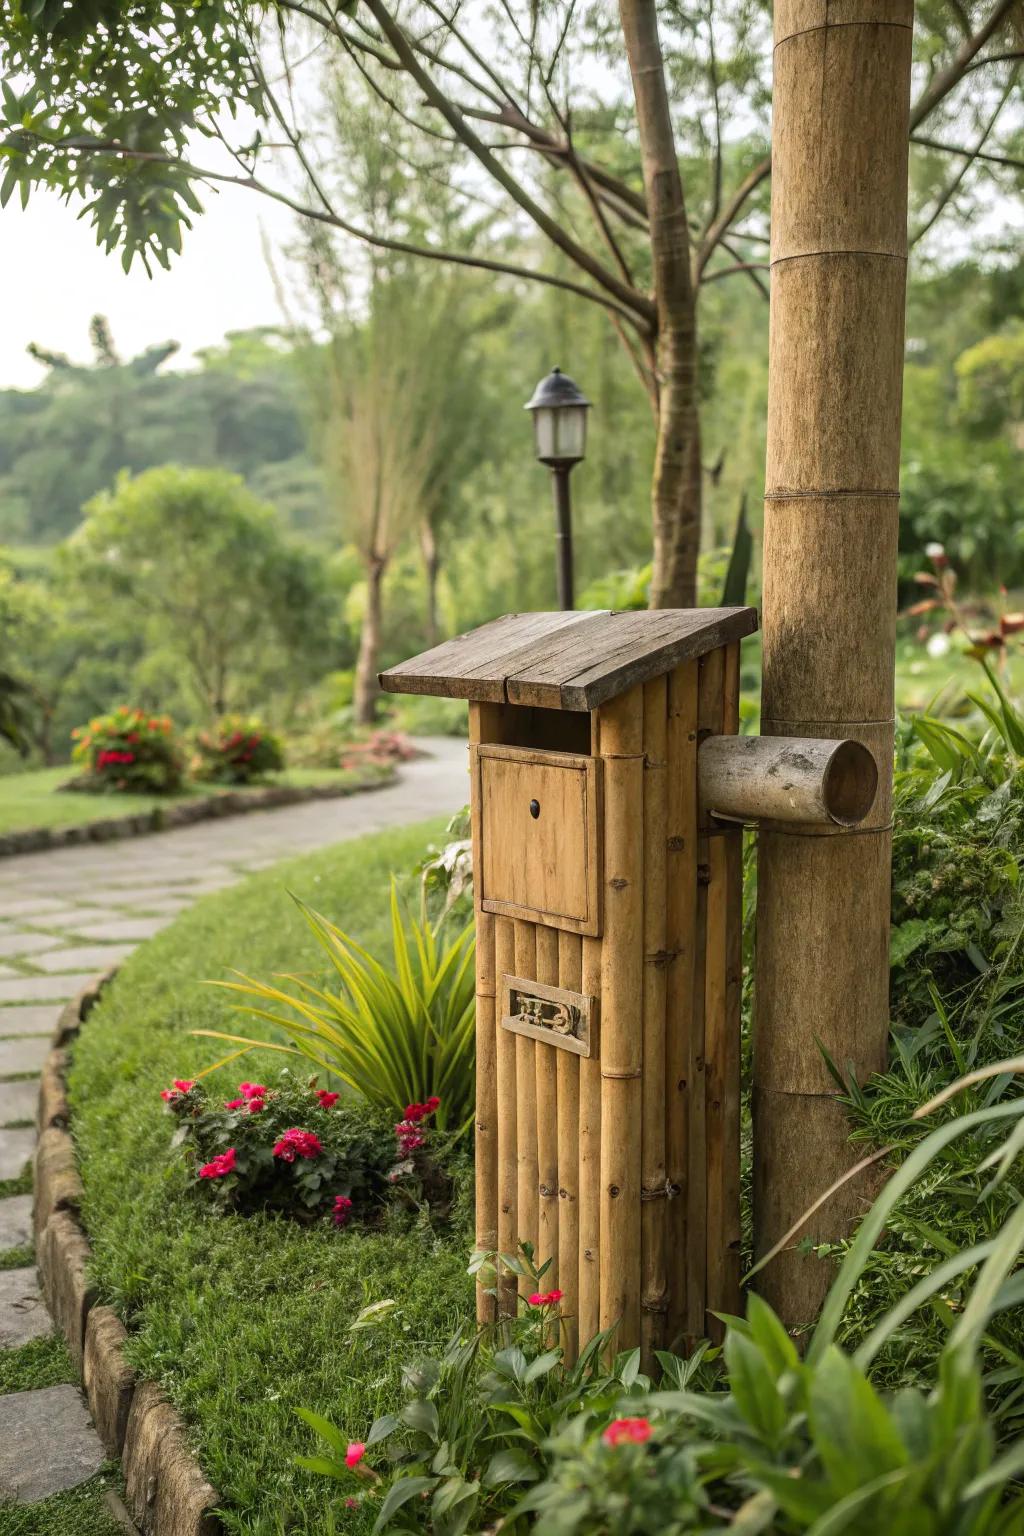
{"x":244,"y":1319}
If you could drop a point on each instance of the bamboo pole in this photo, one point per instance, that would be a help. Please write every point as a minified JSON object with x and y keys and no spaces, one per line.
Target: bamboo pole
{"x":526,"y":1105}
{"x":547,"y":1120}
{"x":653,"y":1175}
{"x":508,"y":1176}
{"x":570,"y":976}
{"x":622,"y":1014}
{"x":590,"y":1163}
{"x":486,"y":1119}
{"x":839,"y":205}
{"x":681,"y":915}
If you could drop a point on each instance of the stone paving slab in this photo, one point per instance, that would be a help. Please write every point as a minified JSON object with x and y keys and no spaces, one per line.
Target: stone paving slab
{"x":24,"y":905}
{"x":43,"y":989}
{"x":16,"y":1148}
{"x":134,"y":928}
{"x":32,"y":1019}
{"x":47,"y":1444}
{"x":18,"y":1100}
{"x":8,"y":970}
{"x":17,"y":943}
{"x":15,"y":1222}
{"x":67,"y":919}
{"x":25,"y":1053}
{"x":23,"y":1314}
{"x":88,"y":957}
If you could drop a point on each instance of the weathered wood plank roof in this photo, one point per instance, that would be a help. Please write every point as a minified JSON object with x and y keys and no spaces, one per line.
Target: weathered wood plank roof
{"x":574,"y":660}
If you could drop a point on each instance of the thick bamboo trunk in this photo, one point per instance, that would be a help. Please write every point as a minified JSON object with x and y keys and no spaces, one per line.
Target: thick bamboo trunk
{"x":546,"y":1067}
{"x":526,"y":1107}
{"x":365,"y":687}
{"x":654,"y":1180}
{"x":570,"y":976}
{"x":487,"y":1026}
{"x":505,"y":1079}
{"x":839,"y":203}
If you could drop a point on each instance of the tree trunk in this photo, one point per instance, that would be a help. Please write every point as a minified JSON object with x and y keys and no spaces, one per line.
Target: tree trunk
{"x":366,"y":688}
{"x":839,"y":256}
{"x":676,"y":487}
{"x":432,"y":569}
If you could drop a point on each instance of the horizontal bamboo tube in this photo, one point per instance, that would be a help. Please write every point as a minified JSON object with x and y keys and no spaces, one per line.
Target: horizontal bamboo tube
{"x":570,"y":977}
{"x":508,"y":1196}
{"x":653,"y":1176}
{"x":526,"y":1106}
{"x":547,"y":1120}
{"x":787,"y":778}
{"x":681,"y":912}
{"x":622,"y":1015}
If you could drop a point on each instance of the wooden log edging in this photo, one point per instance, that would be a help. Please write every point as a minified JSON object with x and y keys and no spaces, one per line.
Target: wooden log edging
{"x":165,"y":1490}
{"x":166,"y":818}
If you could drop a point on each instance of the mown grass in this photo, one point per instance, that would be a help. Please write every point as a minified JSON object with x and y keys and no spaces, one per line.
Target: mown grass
{"x":245,"y":1319}
{"x":82,"y":1512}
{"x":33,"y":800}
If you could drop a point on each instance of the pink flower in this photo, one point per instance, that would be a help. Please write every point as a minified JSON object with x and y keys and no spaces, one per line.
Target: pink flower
{"x":220,"y":1166}
{"x":234,"y":1103}
{"x":251,"y":1090}
{"x":178,"y":1091}
{"x":296,"y":1143}
{"x":544,"y":1298}
{"x":409,"y":1137}
{"x":627,"y":1432}
{"x":355,"y":1453}
{"x":327,"y":1100}
{"x":342,"y":1206}
{"x":255,"y":1105}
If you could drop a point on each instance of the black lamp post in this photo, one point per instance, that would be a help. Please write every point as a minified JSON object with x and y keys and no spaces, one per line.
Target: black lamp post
{"x":560,"y":430}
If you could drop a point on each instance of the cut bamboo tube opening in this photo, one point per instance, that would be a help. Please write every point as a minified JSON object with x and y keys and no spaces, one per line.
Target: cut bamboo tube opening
{"x":547,"y":1120}
{"x":787,"y":778}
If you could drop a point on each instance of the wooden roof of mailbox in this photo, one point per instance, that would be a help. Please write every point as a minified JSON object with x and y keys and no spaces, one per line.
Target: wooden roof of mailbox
{"x":569,"y":660}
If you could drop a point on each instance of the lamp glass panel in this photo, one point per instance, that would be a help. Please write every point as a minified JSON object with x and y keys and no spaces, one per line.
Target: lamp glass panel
{"x":570,"y":432}
{"x":544,"y":427}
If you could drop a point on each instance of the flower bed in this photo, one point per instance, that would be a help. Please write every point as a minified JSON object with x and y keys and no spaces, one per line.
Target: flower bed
{"x":243,"y":1318}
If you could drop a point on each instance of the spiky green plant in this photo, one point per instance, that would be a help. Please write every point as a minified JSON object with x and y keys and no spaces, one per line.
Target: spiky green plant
{"x":396,"y":1036}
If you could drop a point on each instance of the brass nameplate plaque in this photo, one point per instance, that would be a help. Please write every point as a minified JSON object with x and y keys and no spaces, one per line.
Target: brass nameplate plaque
{"x":550,"y":1014}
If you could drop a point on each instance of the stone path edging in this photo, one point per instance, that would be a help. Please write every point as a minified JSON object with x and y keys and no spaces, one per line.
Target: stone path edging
{"x":162,"y":818}
{"x":166,"y":1492}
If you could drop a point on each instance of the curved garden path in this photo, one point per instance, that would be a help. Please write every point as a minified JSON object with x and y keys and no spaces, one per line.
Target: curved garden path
{"x":69,"y":913}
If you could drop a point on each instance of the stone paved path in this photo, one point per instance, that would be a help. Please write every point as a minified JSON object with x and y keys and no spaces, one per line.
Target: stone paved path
{"x":71,"y":912}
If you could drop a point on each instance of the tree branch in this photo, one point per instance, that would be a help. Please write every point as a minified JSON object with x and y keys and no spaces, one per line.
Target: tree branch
{"x":970,"y":154}
{"x":740,"y":266}
{"x":627,"y":296}
{"x":949,"y":78}
{"x":969,"y":159}
{"x":720,"y":226}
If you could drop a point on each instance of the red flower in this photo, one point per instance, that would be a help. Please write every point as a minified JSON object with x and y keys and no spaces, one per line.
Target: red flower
{"x":234,"y":1103}
{"x":355,"y":1453}
{"x":545,"y":1298}
{"x":296,"y":1143}
{"x":220,"y":1166}
{"x":409,"y":1137}
{"x":180,"y":1088}
{"x":327,"y":1100}
{"x":417,"y":1112}
{"x":252,"y":1090}
{"x":342,"y":1206}
{"x":255,"y":1105}
{"x":627,"y":1432}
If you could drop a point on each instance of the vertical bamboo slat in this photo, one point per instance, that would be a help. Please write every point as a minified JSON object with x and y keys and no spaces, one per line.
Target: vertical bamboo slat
{"x":547,"y":1120}
{"x":590,"y":1161}
{"x":622,"y":1012}
{"x":680,"y":906}
{"x":526,"y":1104}
{"x":570,"y":976}
{"x":508,"y":1192}
{"x":486,"y":1119}
{"x":653,"y":1177}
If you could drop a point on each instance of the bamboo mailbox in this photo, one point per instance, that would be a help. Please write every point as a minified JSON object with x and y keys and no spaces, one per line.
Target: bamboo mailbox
{"x":608,"y":898}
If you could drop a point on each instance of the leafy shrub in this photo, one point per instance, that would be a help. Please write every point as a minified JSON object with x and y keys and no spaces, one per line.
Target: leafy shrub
{"x":398,"y":1037}
{"x":498,"y":1430}
{"x":128,"y":751}
{"x":238,"y":750}
{"x":307,"y":1151}
{"x":379,"y":747}
{"x":424,"y":715}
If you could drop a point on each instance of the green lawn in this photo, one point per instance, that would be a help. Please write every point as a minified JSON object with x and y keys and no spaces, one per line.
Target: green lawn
{"x":245,"y":1319}
{"x":34,"y":799}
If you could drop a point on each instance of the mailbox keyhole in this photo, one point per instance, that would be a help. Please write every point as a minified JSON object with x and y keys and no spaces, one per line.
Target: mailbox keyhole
{"x":535,"y":809}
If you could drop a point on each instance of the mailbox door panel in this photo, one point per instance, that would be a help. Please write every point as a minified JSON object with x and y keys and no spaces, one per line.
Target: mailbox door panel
{"x":540,"y":836}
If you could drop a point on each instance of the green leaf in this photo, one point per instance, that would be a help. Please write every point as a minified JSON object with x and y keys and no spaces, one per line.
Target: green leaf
{"x":850,"y":1426}
{"x":421,"y":1415}
{"x":400,"y":1493}
{"x":752,"y":1384}
{"x":509,"y":1466}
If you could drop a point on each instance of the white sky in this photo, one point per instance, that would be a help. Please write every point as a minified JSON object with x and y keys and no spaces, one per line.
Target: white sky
{"x":55,"y":278}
